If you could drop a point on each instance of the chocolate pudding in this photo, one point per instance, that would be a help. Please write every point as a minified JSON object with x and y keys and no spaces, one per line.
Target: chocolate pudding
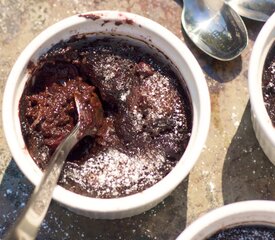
{"x":144,"y":114}
{"x":268,"y":84}
{"x":246,"y":233}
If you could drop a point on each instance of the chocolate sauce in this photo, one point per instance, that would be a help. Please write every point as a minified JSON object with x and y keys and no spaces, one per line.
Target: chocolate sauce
{"x":268,"y":84}
{"x":245,"y":233}
{"x":147,"y":114}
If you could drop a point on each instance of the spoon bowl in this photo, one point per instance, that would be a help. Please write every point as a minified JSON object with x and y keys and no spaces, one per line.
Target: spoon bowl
{"x":259,"y":10}
{"x":215,"y":28}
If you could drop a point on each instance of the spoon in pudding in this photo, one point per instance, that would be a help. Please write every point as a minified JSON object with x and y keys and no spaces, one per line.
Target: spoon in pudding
{"x":90,"y":115}
{"x":215,"y":28}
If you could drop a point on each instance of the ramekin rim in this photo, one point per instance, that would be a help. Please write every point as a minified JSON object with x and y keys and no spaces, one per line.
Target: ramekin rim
{"x":228,"y":211}
{"x":255,"y":69}
{"x":117,"y":204}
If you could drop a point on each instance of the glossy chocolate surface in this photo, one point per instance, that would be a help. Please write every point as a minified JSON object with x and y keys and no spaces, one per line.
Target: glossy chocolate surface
{"x":147,"y":114}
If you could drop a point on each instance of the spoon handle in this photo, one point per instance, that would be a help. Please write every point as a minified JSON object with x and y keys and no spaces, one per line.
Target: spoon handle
{"x":27,"y":225}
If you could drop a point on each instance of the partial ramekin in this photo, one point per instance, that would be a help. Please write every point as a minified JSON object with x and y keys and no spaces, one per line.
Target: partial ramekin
{"x":258,"y":212}
{"x":264,"y":130}
{"x":113,"y":23}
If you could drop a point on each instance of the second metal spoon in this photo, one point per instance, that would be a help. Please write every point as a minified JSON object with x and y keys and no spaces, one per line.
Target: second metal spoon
{"x":259,"y":10}
{"x":215,"y":28}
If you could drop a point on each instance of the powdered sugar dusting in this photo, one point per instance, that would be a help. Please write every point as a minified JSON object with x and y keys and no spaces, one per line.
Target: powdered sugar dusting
{"x":113,"y":173}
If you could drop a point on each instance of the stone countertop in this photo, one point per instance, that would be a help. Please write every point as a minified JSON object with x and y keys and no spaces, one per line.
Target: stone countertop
{"x":231,"y":168}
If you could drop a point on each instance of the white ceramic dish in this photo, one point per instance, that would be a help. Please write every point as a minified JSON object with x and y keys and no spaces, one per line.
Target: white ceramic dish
{"x":136,"y":27}
{"x":242,"y":213}
{"x":264,"y":130}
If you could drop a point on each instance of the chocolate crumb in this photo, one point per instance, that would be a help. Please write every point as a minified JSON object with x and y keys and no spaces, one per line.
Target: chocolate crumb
{"x":129,"y":21}
{"x":117,"y":23}
{"x":31,"y":67}
{"x":90,"y":16}
{"x":105,"y":22}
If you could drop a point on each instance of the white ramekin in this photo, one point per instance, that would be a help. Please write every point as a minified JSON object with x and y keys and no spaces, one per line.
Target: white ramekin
{"x":136,"y":27}
{"x":264,"y":130}
{"x":258,"y":212}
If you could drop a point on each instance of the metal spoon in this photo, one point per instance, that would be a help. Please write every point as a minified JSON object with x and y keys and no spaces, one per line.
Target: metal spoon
{"x":259,"y":10}
{"x":27,"y":225}
{"x":215,"y":28}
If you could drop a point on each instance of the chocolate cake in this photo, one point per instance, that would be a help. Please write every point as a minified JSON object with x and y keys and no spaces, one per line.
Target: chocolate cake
{"x":268,"y":84}
{"x":146,"y":118}
{"x":245,"y":233}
